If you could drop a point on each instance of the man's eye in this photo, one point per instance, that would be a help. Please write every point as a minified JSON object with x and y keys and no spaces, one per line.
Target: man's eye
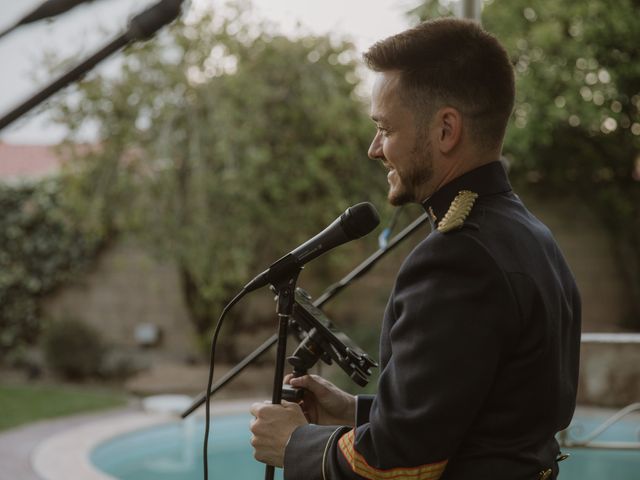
{"x":383,"y":131}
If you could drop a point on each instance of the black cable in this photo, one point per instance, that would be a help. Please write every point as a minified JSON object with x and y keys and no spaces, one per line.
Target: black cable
{"x":214,"y":340}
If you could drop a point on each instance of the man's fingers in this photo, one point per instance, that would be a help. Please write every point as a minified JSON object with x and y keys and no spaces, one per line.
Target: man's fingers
{"x":289,"y":405}
{"x":306,"y":381}
{"x":255,"y":409}
{"x":309,"y":382}
{"x":271,"y":429}
{"x":301,"y":382}
{"x":258,"y":408}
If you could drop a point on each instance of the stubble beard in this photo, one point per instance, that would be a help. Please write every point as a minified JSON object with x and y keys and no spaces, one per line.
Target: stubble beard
{"x":417,"y":174}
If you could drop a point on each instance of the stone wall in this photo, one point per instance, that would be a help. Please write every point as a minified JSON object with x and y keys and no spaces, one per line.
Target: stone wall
{"x":610,"y":372}
{"x":126,"y":288}
{"x":587,"y":248}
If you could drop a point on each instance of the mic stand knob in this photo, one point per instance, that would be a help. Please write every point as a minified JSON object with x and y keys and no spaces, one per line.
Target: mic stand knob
{"x":292,"y":394}
{"x":300,"y":368}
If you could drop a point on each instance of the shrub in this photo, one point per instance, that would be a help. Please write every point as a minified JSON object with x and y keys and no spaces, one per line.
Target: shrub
{"x":73,"y":349}
{"x":41,"y":247}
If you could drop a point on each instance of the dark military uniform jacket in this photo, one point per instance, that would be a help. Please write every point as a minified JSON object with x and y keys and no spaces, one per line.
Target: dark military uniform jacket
{"x":479,"y":353}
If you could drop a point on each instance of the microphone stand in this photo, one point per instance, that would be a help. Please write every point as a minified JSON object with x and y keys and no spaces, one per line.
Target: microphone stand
{"x":286,"y":300}
{"x":328,"y":294}
{"x":141,"y":27}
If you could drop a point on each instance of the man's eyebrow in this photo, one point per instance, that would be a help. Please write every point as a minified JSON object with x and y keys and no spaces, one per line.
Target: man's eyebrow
{"x":378,"y":118}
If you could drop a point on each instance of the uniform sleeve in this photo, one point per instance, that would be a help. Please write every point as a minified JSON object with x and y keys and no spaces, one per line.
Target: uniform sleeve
{"x":450,"y":314}
{"x":305,"y":455}
{"x":363,"y":408}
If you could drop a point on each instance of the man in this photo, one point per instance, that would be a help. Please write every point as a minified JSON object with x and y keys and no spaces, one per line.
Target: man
{"x":480,"y":340}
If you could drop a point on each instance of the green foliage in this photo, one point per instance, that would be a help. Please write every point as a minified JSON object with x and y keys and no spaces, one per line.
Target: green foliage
{"x":224,"y":145}
{"x":22,"y":404}
{"x":73,"y":349}
{"x":40,"y":247}
{"x":576,"y":123}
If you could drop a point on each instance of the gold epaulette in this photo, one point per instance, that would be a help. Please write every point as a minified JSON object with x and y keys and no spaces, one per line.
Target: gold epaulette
{"x":458,"y":211}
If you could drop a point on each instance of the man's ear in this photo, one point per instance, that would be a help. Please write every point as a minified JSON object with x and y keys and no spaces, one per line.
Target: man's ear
{"x":448,"y":127}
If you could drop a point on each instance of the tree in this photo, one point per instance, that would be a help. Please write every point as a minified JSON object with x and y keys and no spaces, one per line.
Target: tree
{"x":223,"y":144}
{"x":576,"y":122}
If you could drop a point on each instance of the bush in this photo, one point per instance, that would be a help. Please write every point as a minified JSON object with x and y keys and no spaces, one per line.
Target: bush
{"x":41,"y":247}
{"x":73,"y":349}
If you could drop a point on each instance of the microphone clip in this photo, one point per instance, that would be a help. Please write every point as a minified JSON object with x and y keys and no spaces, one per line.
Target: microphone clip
{"x":320,"y":340}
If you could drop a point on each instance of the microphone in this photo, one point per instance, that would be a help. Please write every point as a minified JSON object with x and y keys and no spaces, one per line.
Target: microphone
{"x":145,"y":24}
{"x":355,"y":222}
{"x":49,"y":8}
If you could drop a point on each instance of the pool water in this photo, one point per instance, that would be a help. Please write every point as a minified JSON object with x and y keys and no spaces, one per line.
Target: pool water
{"x":594,"y":464}
{"x":601,"y":464}
{"x":174,"y":452}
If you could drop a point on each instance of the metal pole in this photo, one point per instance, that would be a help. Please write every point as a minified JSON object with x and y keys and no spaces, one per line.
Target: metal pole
{"x":472,"y":9}
{"x":64,"y":80}
{"x":141,"y":27}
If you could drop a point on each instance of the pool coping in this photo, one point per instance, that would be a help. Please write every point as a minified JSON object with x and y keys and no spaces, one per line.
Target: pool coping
{"x":67,"y":454}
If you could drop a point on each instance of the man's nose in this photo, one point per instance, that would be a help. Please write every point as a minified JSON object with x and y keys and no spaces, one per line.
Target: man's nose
{"x":375,"y":149}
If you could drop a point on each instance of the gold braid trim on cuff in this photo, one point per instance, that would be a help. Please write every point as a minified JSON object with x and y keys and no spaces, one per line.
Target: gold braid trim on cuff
{"x":431,"y":471}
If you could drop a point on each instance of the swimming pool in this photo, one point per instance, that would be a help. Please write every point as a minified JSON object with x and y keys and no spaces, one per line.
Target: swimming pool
{"x":174,"y":452}
{"x":597,"y":463}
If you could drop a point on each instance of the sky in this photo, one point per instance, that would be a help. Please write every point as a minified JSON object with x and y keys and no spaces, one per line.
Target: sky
{"x":83,"y":30}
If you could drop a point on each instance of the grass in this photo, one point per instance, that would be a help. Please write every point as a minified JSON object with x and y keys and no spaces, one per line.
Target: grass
{"x":24,"y":404}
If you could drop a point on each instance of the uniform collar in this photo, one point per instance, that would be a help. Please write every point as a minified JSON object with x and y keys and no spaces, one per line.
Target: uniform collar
{"x":488,"y":179}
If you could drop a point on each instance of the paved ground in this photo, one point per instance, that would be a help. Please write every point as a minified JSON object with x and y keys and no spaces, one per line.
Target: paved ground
{"x":17,"y":445}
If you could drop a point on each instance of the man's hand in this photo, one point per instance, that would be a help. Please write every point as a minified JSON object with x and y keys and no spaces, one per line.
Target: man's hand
{"x":272,"y":429}
{"x":324,"y":403}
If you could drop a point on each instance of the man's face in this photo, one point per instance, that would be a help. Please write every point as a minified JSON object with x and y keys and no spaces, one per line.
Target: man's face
{"x":400,"y":143}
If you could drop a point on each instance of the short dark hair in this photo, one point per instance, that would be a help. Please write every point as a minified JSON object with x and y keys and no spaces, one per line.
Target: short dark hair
{"x":453,"y":62}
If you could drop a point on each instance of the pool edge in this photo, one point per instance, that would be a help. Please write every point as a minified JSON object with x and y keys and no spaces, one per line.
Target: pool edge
{"x":66,"y":454}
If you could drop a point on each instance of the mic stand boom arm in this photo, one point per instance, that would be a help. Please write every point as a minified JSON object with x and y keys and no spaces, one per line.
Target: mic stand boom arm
{"x":141,"y":27}
{"x":332,"y":291}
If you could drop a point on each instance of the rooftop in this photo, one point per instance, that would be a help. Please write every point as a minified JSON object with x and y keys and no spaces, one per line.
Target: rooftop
{"x":27,"y":162}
